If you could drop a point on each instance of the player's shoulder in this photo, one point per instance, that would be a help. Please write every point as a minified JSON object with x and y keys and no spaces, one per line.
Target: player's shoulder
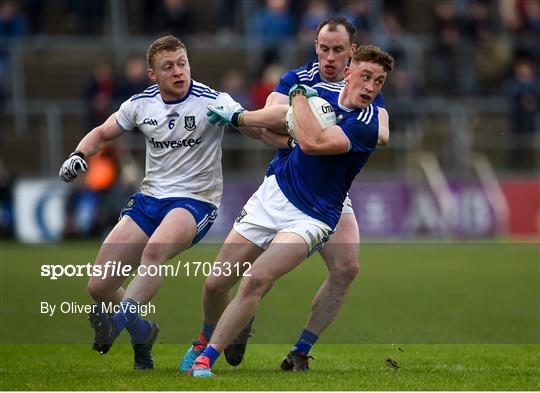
{"x":334,"y":87}
{"x":364,"y":117}
{"x":308,"y":73}
{"x":150,"y":92}
{"x":199,"y":89}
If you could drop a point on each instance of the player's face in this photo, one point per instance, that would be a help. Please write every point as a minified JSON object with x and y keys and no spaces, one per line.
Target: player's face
{"x":364,"y":82}
{"x":170,"y":70}
{"x":333,"y":50}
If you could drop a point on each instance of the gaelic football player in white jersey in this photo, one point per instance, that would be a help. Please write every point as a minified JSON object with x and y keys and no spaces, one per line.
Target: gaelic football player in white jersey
{"x":179,"y":196}
{"x":296,"y":208}
{"x":334,"y":44}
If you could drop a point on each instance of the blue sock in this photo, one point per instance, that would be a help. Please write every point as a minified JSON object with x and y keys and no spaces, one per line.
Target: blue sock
{"x":128,"y":317}
{"x":211,"y":353}
{"x":305,"y":342}
{"x":207,"y":331}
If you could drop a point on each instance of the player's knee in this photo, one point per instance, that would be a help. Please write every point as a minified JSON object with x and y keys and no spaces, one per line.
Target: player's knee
{"x":257,"y":284}
{"x":346,"y":270}
{"x":219,"y":284}
{"x":152,"y":254}
{"x":98,"y":289}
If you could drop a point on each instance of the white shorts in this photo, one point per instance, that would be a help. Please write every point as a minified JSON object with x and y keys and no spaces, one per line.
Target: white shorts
{"x":269,"y":212}
{"x":347,"y":206}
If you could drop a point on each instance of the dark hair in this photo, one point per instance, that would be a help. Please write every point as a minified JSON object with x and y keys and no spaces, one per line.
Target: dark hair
{"x":166,"y":43}
{"x":375,"y":55}
{"x":334,"y":22}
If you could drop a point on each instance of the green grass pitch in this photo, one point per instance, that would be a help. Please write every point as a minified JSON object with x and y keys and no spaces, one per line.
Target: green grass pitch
{"x":452,"y":316}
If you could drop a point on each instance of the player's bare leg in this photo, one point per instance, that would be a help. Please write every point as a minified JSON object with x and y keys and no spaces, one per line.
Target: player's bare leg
{"x":340,"y":254}
{"x":174,"y":234}
{"x":216,"y":296}
{"x":165,"y":242}
{"x":216,"y":291}
{"x":124,"y":245}
{"x":286,"y":251}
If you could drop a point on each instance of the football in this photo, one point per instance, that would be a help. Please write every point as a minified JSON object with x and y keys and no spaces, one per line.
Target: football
{"x":322,"y":110}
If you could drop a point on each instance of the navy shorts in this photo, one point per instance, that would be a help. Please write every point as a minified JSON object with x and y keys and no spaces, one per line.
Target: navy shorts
{"x":148,"y":212}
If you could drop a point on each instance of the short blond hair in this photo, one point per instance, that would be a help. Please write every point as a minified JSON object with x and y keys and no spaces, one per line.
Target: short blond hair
{"x":167,"y":43}
{"x":373,"y":54}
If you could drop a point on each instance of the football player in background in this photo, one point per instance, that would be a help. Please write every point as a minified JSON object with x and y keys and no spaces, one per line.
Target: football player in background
{"x":297,"y":208}
{"x":334,"y":46}
{"x":178,"y":199}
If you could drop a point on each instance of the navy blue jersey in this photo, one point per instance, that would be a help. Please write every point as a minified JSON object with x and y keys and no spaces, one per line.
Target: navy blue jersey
{"x":308,"y":75}
{"x":318,"y":184}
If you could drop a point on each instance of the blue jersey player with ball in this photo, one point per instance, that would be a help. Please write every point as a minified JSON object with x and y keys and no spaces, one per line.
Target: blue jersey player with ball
{"x":298,"y":207}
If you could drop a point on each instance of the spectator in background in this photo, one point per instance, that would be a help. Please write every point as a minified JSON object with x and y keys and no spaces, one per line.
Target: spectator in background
{"x":524,"y":93}
{"x":174,"y":17}
{"x":133,"y":80}
{"x":261,"y":89}
{"x":12,"y":26}
{"x":393,"y":38}
{"x":445,"y":58}
{"x":522,"y":19}
{"x":316,"y":12}
{"x":357,"y":11}
{"x":98,"y":95}
{"x":477,"y":21}
{"x":401,"y":92}
{"x":88,"y":14}
{"x":233,"y":82}
{"x":271,"y":26}
{"x":12,"y":21}
{"x":229,"y":20}
{"x":492,"y":58}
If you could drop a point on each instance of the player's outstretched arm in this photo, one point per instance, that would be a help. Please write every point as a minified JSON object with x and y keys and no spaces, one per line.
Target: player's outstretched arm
{"x":87,"y":147}
{"x":384,"y":127}
{"x":272,"y":117}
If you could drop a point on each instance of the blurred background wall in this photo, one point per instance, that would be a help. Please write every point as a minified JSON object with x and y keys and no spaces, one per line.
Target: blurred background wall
{"x":463,"y":159}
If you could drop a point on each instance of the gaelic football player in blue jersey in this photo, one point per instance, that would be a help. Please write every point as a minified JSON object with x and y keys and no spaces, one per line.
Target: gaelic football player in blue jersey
{"x":334,"y":45}
{"x":298,"y":207}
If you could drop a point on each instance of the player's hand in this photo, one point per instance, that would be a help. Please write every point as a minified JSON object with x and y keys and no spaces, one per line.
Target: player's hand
{"x":74,"y":165}
{"x":222,"y":115}
{"x":301,"y":89}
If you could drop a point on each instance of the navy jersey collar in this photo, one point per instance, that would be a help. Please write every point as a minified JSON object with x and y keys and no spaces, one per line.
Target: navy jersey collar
{"x":171,"y":102}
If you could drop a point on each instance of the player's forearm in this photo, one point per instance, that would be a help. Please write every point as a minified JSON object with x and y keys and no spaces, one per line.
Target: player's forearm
{"x":276,"y":140}
{"x":272,"y":117}
{"x":266,"y":136}
{"x":309,"y":133}
{"x":91,"y":143}
{"x":251,"y":132}
{"x":96,"y":139}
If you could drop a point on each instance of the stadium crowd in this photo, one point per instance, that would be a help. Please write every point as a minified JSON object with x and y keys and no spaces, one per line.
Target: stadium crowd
{"x":472,"y":47}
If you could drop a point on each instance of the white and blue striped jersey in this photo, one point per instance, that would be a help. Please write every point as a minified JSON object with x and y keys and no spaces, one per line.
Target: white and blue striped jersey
{"x":308,"y":75}
{"x":318,"y":184}
{"x":183,"y":149}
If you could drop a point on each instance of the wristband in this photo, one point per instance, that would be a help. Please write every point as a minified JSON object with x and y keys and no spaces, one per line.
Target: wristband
{"x":291,"y":142}
{"x":236,"y":119}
